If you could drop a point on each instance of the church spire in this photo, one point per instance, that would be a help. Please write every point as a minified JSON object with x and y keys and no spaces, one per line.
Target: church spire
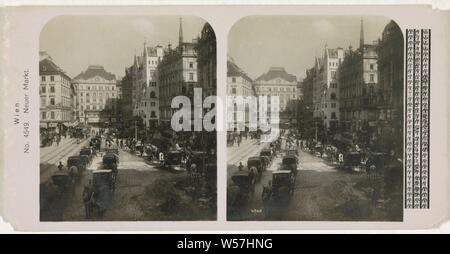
{"x":361,"y":35}
{"x":180,"y":33}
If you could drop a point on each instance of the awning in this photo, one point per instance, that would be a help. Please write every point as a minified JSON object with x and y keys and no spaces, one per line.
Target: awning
{"x":43,"y":125}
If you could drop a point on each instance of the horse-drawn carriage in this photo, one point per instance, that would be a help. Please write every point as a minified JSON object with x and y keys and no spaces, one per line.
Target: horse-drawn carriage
{"x":290,"y":163}
{"x":351,"y":161}
{"x":258,"y":163}
{"x":103,"y":183}
{"x":199,"y":159}
{"x":278,"y":193}
{"x":96,"y":143}
{"x":173,"y":160}
{"x":267,"y":152}
{"x":242,"y":187}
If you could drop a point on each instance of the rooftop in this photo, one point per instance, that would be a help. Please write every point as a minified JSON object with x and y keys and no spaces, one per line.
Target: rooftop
{"x":234,"y":70}
{"x":96,"y":70}
{"x":277,"y":72}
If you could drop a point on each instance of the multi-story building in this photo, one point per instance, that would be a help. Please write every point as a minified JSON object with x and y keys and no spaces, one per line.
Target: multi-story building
{"x":239,"y":84}
{"x":308,"y":94}
{"x":177,"y":75}
{"x":357,"y":79}
{"x":56,"y":97}
{"x":324,"y":87}
{"x":206,"y":61}
{"x":390,"y":82}
{"x":127,"y":95}
{"x":96,"y":94}
{"x":300,"y":90}
{"x":277,"y":82}
{"x":147,"y":94}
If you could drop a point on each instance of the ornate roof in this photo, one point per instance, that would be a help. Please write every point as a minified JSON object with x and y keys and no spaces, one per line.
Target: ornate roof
{"x":47,"y":66}
{"x":233,"y":70}
{"x":277,"y":72}
{"x":95,"y":70}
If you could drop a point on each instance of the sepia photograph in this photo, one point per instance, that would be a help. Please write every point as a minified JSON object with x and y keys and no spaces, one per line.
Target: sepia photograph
{"x":332,"y":89}
{"x":109,"y":150}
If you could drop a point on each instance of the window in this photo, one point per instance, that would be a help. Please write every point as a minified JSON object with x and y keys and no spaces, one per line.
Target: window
{"x":233,"y":80}
{"x":233,"y":90}
{"x":43,"y":102}
{"x":333,"y":74}
{"x":191,"y":65}
{"x":81,"y":107}
{"x":152,"y":95}
{"x":43,"y":89}
{"x":52,"y":101}
{"x":372,"y":66}
{"x":52,"y":89}
{"x":43,"y":79}
{"x":191,"y":76}
{"x":44,"y":115}
{"x":333,"y":105}
{"x":153,"y":104}
{"x":372,"y":77}
{"x":333,"y":115}
{"x":333,"y":96}
{"x":52,"y":78}
{"x":52,"y":115}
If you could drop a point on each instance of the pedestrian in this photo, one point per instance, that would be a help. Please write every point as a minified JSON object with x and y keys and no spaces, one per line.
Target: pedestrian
{"x":60,"y":166}
{"x":241,"y":167}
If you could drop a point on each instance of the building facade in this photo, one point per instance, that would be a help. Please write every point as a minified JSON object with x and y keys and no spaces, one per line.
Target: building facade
{"x":147,"y":88}
{"x":238,"y":84}
{"x":56,"y":96}
{"x":277,"y":82}
{"x":391,"y":84}
{"x":207,"y":61}
{"x":325,"y":92}
{"x":177,"y":75}
{"x":126,"y":106}
{"x":96,"y":95}
{"x":358,"y":79}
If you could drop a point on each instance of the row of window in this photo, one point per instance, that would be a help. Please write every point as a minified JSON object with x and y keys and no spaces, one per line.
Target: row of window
{"x":52,"y":115}
{"x":100,"y":94}
{"x":276,"y":89}
{"x":282,"y":96}
{"x":96,"y":87}
{"x":52,"y":89}
{"x":93,"y":107}
{"x":88,"y":100}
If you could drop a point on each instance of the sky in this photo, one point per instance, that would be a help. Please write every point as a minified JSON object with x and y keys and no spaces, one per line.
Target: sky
{"x":75,"y":42}
{"x":259,"y":42}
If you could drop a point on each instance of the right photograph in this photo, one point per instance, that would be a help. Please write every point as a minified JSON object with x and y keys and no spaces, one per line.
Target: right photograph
{"x":315,"y":109}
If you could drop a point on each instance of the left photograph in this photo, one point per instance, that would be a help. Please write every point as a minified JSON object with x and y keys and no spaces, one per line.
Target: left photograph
{"x":123,"y":128}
